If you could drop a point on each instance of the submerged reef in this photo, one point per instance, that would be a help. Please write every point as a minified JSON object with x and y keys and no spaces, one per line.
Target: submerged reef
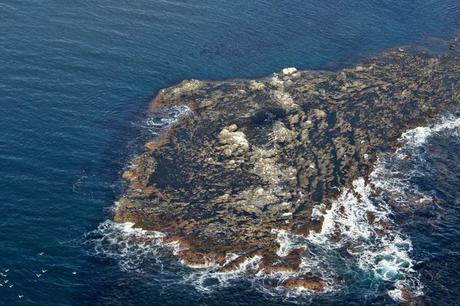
{"x":252,"y":158}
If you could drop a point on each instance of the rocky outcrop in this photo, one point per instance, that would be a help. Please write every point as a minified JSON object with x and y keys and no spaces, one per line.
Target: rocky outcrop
{"x":305,"y":282}
{"x":258,"y":155}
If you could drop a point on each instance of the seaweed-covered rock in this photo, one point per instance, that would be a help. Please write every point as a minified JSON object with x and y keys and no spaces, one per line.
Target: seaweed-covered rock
{"x":255,"y":156}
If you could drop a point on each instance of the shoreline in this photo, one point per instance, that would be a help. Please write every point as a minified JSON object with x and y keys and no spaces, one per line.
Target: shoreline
{"x":277,"y":117}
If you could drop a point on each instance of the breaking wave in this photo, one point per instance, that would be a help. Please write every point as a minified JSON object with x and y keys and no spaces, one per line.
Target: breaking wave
{"x":362,"y":222}
{"x":157,"y":123}
{"x":128,"y":245}
{"x":361,"y":241}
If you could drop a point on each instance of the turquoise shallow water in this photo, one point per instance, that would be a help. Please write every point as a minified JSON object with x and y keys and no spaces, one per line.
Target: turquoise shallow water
{"x":75,"y":81}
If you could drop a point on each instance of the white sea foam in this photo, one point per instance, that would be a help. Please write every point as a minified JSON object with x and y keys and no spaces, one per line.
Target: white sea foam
{"x":125,"y":243}
{"x":287,"y":242}
{"x":317,"y":211}
{"x":393,"y":173}
{"x":361,"y":219}
{"x":208,"y":264}
{"x":420,"y":135}
{"x":157,"y":123}
{"x":359,"y":232}
{"x":208,"y":279}
{"x":373,"y":242}
{"x":360,"y":222}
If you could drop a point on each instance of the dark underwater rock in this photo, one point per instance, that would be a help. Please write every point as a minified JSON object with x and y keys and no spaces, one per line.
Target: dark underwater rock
{"x":255,"y":156}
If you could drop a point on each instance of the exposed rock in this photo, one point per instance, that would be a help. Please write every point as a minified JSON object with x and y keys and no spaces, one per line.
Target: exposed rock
{"x":128,"y":175}
{"x":289,"y":71}
{"x":187,"y":87}
{"x":151,"y":145}
{"x":255,"y":85}
{"x":233,"y":141}
{"x":283,"y":98}
{"x":258,"y":155}
{"x":304,"y":282}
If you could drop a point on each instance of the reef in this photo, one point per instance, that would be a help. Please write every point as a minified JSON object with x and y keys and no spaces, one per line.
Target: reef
{"x":255,"y":157}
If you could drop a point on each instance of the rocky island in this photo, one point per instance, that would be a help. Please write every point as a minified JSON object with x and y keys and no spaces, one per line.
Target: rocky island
{"x":255,"y":157}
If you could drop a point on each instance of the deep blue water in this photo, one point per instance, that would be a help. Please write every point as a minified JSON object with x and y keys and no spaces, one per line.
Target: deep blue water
{"x":75,"y":80}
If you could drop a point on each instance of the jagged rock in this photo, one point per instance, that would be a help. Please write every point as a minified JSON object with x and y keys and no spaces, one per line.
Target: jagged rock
{"x":151,"y":145}
{"x":258,"y":155}
{"x":255,"y":85}
{"x":306,"y":282}
{"x":233,"y":141}
{"x":289,"y":71}
{"x":128,"y":175}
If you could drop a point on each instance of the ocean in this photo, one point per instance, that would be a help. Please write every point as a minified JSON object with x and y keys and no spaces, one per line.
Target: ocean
{"x":76,"y":79}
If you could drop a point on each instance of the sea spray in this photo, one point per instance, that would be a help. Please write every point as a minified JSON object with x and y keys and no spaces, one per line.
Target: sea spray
{"x":156,"y":123}
{"x":128,"y":245}
{"x":375,"y":246}
{"x":378,"y":245}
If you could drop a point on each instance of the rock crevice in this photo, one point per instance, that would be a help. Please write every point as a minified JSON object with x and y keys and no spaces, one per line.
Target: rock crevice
{"x":259,"y":155}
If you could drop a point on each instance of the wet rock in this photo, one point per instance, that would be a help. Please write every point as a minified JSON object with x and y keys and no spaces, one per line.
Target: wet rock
{"x":151,"y":145}
{"x":304,"y":282}
{"x":257,"y":155}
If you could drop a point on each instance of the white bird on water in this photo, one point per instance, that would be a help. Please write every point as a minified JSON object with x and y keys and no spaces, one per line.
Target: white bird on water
{"x":6,"y":270}
{"x":3,"y":275}
{"x":41,"y":253}
{"x":38,"y":275}
{"x":11,"y":286}
{"x":44,"y":271}
{"x":20,"y":296}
